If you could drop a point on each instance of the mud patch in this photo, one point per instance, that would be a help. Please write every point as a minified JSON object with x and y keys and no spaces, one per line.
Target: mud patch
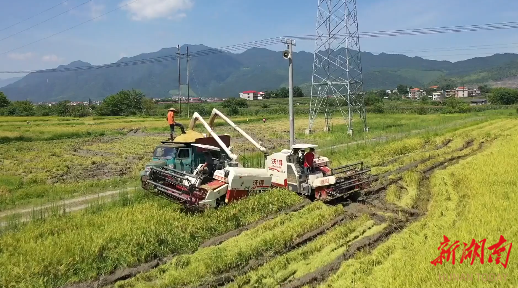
{"x":97,"y":171}
{"x":91,"y":153}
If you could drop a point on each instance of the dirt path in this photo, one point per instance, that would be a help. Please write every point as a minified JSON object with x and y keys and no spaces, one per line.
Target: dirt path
{"x":68,"y":205}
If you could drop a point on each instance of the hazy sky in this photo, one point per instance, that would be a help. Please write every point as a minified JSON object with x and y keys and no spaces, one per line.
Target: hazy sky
{"x":149,"y":25}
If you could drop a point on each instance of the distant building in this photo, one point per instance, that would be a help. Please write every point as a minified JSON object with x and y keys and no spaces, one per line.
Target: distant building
{"x":473,"y":92}
{"x":461,"y":92}
{"x":195,"y":100}
{"x":437,"y":96}
{"x":434,"y":87}
{"x":416,"y":93}
{"x":249,"y":95}
{"x":450,"y":93}
{"x":475,"y":102}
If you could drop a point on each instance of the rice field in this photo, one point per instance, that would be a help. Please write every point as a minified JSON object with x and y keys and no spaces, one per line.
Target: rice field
{"x":439,"y":175}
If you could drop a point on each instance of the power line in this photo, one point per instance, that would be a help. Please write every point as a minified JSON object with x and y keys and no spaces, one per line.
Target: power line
{"x":463,"y":48}
{"x":271,"y":41}
{"x":166,"y":58}
{"x":237,"y":48}
{"x":53,"y":17}
{"x":418,"y":31}
{"x":33,"y":16}
{"x":70,"y":28}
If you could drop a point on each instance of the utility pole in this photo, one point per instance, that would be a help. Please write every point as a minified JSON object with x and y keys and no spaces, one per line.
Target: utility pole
{"x":179,"y":83}
{"x":288,"y":54}
{"x":188,"y":99}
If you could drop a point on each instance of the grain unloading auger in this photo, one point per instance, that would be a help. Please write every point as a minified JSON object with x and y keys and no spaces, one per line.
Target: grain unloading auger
{"x":230,"y":182}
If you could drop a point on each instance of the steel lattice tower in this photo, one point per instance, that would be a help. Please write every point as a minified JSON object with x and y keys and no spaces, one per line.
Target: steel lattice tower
{"x":337,"y":69}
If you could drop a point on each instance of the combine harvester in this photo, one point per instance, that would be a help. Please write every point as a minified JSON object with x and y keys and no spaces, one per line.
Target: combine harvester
{"x":172,"y":174}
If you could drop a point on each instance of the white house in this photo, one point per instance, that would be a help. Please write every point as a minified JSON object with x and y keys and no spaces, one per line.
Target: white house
{"x":249,"y":95}
{"x":437,"y":96}
{"x":416,"y":93}
{"x":461,"y":92}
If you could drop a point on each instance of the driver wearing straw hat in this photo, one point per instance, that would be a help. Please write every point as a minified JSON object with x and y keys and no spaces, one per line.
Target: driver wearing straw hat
{"x":172,"y":123}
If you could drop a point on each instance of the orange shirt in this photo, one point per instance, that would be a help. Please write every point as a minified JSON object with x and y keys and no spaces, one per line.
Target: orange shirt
{"x":170,"y":117}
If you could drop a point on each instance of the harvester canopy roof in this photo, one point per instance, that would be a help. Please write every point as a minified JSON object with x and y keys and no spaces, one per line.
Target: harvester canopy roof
{"x":190,"y":136}
{"x":304,"y":146}
{"x":208,"y":147}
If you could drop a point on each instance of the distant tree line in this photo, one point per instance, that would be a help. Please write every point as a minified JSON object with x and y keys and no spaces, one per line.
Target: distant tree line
{"x":124,"y":103}
{"x":134,"y":103}
{"x":284,"y":92}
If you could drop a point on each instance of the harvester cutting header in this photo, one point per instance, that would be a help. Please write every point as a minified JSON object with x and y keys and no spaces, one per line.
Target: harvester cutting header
{"x":201,"y":171}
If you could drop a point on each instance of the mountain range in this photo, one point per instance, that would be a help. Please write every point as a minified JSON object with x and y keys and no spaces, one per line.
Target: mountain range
{"x":226,"y":74}
{"x":5,"y":82}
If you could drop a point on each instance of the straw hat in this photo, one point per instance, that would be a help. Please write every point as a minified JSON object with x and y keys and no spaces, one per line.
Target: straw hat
{"x":172,"y":109}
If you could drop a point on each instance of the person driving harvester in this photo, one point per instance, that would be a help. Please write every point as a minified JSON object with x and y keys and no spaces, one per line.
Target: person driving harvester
{"x":172,"y":123}
{"x":308,"y":161}
{"x":209,"y":163}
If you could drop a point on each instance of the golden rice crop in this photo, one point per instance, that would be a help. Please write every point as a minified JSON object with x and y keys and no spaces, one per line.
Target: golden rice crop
{"x":472,"y":200}
{"x":269,"y":238}
{"x":82,"y":246}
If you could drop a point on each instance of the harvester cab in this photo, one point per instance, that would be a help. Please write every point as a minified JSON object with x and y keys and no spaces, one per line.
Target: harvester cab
{"x":323,"y":183}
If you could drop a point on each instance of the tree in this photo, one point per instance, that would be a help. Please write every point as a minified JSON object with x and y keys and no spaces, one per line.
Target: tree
{"x":484,"y":89}
{"x":372,"y":98}
{"x":63,"y":108}
{"x":447,"y":86}
{"x":402,"y":89}
{"x":124,"y":103}
{"x":232,"y":110}
{"x":394,"y":96}
{"x":382,"y":94}
{"x":148,"y":106}
{"x":21,"y":108}
{"x":297,"y":92}
{"x":4,"y":102}
{"x":80,"y":111}
{"x":237,"y":102}
{"x":283,"y":92}
{"x":429,"y":91}
{"x":503,"y":96}
{"x":425,"y":99}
